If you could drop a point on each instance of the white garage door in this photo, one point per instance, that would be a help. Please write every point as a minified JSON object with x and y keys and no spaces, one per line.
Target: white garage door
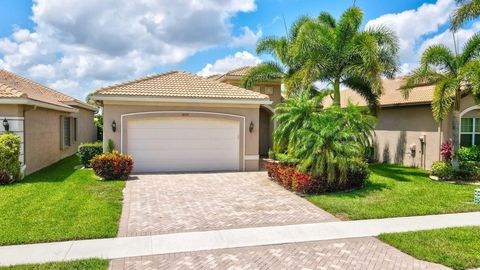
{"x":168,"y":144}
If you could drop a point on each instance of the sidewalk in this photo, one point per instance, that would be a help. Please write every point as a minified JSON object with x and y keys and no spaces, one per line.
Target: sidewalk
{"x":210,"y":240}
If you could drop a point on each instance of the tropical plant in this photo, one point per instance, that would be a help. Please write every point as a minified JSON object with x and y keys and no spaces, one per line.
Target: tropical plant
{"x":293,"y":114}
{"x":340,"y":53}
{"x":9,"y":158}
{"x":284,"y":65}
{"x":454,"y":75}
{"x":333,"y":141}
{"x":468,"y":10}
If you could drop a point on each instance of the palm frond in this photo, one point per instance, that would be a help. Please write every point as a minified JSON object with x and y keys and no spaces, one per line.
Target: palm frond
{"x":420,"y":77}
{"x":471,"y":51}
{"x":468,"y":10}
{"x":444,"y":98}
{"x":362,"y":87}
{"x":264,"y":72}
{"x":441,"y":57}
{"x":327,"y":19}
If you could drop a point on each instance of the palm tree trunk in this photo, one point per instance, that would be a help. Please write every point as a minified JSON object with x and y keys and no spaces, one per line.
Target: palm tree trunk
{"x":456,"y":130}
{"x":336,"y":92}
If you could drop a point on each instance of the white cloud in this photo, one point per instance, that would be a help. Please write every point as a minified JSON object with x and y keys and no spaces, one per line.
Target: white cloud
{"x":411,"y":26}
{"x":91,"y":41}
{"x":446,"y":38}
{"x":240,"y":59}
{"x":247,"y":39}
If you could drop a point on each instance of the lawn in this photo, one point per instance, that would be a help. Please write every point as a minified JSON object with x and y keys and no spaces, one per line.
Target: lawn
{"x":458,"y":248}
{"x":393,"y":191}
{"x":59,"y":203}
{"x":93,"y":264}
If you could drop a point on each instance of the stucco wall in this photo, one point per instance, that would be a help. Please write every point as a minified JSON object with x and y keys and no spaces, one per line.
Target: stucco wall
{"x":399,"y":128}
{"x":11,"y":110}
{"x":43,"y":135}
{"x":113,"y":111}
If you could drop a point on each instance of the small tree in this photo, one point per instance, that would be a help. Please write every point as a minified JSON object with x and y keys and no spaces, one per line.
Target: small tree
{"x":454,"y":75}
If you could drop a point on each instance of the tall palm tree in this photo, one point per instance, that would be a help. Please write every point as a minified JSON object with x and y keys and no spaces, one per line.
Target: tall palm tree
{"x":454,"y":75}
{"x":283,"y":67}
{"x":340,"y":53}
{"x":466,"y":11}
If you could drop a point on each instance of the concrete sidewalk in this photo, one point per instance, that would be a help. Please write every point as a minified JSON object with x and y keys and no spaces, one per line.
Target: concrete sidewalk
{"x":210,"y":240}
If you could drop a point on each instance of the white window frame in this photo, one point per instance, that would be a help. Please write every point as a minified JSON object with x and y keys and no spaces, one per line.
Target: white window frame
{"x":473,"y":133}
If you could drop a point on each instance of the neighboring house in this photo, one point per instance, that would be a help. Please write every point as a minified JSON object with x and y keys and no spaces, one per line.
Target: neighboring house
{"x":50,"y":124}
{"x":177,"y":121}
{"x":406,"y":132}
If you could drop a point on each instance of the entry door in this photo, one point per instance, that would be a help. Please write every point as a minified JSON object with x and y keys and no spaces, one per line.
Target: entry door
{"x":183,"y":144}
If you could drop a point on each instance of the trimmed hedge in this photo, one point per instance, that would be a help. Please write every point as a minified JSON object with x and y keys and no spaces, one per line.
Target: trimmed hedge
{"x":9,"y":158}
{"x":87,"y":151}
{"x":469,"y":153}
{"x":112,"y":166}
{"x":468,"y":171}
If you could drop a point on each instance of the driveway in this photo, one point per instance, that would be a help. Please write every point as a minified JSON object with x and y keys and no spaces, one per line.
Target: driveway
{"x":169,"y":203}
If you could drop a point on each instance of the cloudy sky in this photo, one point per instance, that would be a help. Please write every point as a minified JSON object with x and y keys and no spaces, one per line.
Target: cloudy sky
{"x":78,"y":46}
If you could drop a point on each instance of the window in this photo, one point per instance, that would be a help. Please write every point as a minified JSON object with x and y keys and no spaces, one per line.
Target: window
{"x":75,"y":128}
{"x":470,"y":131}
{"x":66,"y":132}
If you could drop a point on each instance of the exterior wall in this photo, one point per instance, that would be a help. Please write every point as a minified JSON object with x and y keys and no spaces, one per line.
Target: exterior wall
{"x":399,"y":129}
{"x":14,"y":115}
{"x":276,"y":96}
{"x":265,"y":133}
{"x":11,"y":110}
{"x":43,"y":136}
{"x":112,"y":111}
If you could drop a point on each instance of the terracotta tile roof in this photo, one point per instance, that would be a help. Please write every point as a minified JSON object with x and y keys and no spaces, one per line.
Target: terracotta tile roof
{"x":392,"y":95}
{"x":239,"y":71}
{"x":15,"y":86}
{"x":179,"y":84}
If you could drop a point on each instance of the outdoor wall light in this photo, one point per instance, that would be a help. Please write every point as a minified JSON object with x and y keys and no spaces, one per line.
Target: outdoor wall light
{"x":251,"y":127}
{"x":114,"y":126}
{"x":6,"y":125}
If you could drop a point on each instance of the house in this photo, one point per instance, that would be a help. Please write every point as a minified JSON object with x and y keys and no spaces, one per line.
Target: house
{"x":50,"y":124}
{"x":177,"y":121}
{"x":406,"y":132}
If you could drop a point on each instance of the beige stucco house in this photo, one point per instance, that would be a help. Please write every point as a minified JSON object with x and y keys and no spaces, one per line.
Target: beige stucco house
{"x":406,"y":132}
{"x":177,"y":121}
{"x":50,"y":124}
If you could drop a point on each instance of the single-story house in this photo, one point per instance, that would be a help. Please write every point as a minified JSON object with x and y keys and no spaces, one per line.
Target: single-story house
{"x":406,"y":132}
{"x":177,"y":121}
{"x":50,"y":124}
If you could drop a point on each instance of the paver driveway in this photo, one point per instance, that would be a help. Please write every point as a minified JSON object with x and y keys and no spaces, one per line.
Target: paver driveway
{"x":361,"y":253}
{"x":168,"y":203}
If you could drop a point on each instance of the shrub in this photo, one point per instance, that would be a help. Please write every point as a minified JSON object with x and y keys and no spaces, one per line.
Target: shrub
{"x":112,"y":166}
{"x":446,"y":150}
{"x":293,"y":179}
{"x":442,"y":169}
{"x":110,"y":146}
{"x":9,"y":161}
{"x":87,"y":151}
{"x":469,"y":154}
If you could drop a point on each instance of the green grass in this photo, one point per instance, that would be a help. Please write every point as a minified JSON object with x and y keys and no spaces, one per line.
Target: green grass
{"x":394,"y":191}
{"x":59,"y":203}
{"x":93,"y":264}
{"x":458,"y":248}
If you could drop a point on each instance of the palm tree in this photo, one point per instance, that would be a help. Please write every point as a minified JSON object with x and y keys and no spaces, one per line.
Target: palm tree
{"x":468,"y":10}
{"x":339,"y":53}
{"x":334,"y":140}
{"x":284,"y":65}
{"x":454,"y":75}
{"x":293,"y":114}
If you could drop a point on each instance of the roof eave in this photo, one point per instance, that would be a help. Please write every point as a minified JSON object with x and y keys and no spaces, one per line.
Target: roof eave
{"x":31,"y":102}
{"x":184,"y":100}
{"x":81,"y":105}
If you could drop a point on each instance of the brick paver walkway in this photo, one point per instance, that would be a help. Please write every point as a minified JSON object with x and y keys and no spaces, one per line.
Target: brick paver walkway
{"x":168,"y":203}
{"x":361,"y":253}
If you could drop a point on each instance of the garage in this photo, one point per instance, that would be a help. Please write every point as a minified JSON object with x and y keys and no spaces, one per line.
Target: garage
{"x":181,"y":122}
{"x":172,"y":144}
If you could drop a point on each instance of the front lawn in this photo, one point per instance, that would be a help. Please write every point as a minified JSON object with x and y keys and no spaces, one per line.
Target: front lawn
{"x":93,"y":264}
{"x":59,"y":203}
{"x":393,"y":191}
{"x":458,"y":248}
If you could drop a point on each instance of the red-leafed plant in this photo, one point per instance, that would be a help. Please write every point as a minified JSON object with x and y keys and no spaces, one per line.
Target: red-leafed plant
{"x":112,"y":166}
{"x":446,"y":150}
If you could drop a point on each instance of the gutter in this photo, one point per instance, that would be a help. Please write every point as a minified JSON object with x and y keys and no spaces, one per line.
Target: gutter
{"x":31,"y":102}
{"x":81,"y":105}
{"x":185,"y":100}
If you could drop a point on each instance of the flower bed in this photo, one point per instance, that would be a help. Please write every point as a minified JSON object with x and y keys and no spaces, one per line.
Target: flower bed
{"x":294,"y":180}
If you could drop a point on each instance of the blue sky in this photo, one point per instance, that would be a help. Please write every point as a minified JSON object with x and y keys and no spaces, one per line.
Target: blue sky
{"x":78,"y":46}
